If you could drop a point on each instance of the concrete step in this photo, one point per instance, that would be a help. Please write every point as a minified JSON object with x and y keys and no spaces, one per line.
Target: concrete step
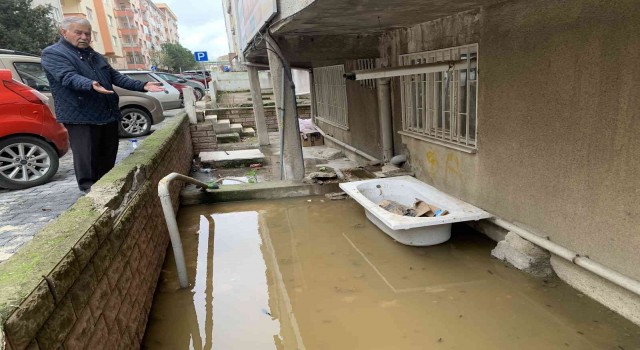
{"x":249,"y":132}
{"x":228,"y":137}
{"x":236,"y":128}
{"x":232,"y":159}
{"x":222,"y":126}
{"x":211,"y":118}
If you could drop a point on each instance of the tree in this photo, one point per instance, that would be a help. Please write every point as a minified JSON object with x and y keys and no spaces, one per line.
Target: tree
{"x":25,"y":28}
{"x":176,"y":57}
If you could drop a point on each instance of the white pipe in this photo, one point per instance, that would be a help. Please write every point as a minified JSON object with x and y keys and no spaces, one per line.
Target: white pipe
{"x":384,"y":114}
{"x":172,"y":225}
{"x":582,"y":261}
{"x":349,"y":147}
{"x":423,"y":68}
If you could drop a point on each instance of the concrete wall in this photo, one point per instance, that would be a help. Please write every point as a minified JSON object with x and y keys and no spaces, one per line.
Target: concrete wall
{"x":239,"y":81}
{"x":244,"y":116}
{"x":100,"y":260}
{"x":557,"y":125}
{"x":364,"y":125}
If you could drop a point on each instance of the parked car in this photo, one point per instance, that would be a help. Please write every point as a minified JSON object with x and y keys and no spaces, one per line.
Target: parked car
{"x":197,"y":77}
{"x":198,"y":87}
{"x":170,"y":98}
{"x":139,"y":110}
{"x":31,"y":140}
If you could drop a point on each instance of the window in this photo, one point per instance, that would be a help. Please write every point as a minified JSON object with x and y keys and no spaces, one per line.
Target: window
{"x":142,"y":77}
{"x":331,"y":95}
{"x":89,"y":14}
{"x":441,"y":107}
{"x":110,"y":19}
{"x":114,"y":40}
{"x":94,"y":35}
{"x":32,"y":74}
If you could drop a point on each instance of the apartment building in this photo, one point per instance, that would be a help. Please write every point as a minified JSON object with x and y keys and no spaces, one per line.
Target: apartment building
{"x":105,"y":32}
{"x":170,"y":23}
{"x":56,"y":6}
{"x":144,"y":27}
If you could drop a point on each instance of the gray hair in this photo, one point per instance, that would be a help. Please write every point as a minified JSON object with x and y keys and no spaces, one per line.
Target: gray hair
{"x":67,"y":21}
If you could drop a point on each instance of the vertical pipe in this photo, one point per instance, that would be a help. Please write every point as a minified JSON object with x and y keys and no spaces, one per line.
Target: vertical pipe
{"x":384,"y":113}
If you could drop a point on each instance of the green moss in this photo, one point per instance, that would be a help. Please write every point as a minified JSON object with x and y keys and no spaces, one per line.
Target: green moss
{"x":22,"y":273}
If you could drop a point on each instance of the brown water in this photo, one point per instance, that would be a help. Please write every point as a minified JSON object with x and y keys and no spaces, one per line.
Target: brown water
{"x":309,"y":273}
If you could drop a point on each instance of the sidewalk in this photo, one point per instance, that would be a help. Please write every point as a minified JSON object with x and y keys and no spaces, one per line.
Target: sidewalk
{"x":23,"y":213}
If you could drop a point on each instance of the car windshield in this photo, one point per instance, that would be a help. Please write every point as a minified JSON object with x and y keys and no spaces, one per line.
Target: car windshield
{"x":33,"y":75}
{"x":168,"y":77}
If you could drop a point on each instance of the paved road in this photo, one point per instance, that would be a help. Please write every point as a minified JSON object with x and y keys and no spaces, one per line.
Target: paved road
{"x":25,"y":212}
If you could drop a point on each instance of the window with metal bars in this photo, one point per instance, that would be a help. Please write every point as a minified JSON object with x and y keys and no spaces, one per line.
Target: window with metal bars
{"x":442,"y":106}
{"x":331,"y":95}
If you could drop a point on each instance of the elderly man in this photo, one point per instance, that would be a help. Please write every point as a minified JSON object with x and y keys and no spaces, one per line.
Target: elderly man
{"x":81,"y":83}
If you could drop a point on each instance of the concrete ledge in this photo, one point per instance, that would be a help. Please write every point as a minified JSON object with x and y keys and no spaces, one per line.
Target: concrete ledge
{"x":81,"y":274}
{"x":264,"y":190}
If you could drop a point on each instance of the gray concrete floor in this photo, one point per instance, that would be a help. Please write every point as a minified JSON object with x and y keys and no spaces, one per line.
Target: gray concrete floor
{"x":23,"y":213}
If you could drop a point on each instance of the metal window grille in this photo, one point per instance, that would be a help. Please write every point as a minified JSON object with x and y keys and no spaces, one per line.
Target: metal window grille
{"x":366,"y":63}
{"x":331,"y":95}
{"x":442,"y":106}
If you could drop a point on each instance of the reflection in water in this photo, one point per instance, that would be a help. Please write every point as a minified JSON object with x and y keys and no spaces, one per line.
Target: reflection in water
{"x":308,"y":274}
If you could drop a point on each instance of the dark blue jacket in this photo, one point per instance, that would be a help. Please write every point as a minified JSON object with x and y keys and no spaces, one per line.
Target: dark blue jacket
{"x":70,"y":72}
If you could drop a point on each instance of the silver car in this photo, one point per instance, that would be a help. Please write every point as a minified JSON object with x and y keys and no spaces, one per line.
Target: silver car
{"x":139,"y":110}
{"x":170,"y":98}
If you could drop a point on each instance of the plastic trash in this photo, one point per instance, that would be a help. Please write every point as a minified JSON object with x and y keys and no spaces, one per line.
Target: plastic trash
{"x":133,"y":143}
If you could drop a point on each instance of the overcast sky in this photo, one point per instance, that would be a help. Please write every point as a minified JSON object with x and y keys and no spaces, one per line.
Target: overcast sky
{"x":201,"y":25}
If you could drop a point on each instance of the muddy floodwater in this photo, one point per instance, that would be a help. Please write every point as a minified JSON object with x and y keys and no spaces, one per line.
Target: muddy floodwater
{"x":309,"y":273}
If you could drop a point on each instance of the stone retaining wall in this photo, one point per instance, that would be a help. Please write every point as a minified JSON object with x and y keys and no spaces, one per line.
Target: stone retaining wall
{"x":244,"y":115}
{"x":87,"y":280}
{"x":203,"y":137}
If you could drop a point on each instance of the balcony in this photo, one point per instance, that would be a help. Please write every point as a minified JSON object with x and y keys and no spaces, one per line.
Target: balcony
{"x":128,"y":31}
{"x":126,"y":45}
{"x":123,"y":12}
{"x":131,"y":48}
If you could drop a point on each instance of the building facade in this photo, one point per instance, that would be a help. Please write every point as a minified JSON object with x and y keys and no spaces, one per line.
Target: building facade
{"x":523,"y":111}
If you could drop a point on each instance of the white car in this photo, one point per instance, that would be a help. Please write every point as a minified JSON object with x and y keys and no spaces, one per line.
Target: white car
{"x":170,"y":98}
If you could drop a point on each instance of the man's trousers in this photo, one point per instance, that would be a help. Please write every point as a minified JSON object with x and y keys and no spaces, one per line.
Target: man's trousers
{"x":94,"y":148}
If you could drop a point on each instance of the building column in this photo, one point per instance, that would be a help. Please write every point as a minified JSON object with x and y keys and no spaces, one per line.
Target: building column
{"x":292,"y":162}
{"x":258,"y":108}
{"x":312,"y":93}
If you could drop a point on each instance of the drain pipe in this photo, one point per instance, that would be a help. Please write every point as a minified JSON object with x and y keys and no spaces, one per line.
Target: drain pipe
{"x":580,"y":260}
{"x":384,"y":113}
{"x":172,"y":225}
{"x":282,"y":111}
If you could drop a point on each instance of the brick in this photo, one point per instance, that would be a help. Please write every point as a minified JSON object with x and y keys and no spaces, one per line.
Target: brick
{"x":111,"y":308}
{"x":81,"y":331}
{"x":83,"y":288}
{"x":55,"y":330}
{"x":64,"y":275}
{"x":23,"y":325}
{"x":99,"y":297}
{"x":198,"y":133}
{"x":123,"y":318}
{"x":115,"y":270}
{"x":102,"y":258}
{"x":125,"y":280}
{"x":100,"y":333}
{"x":86,"y":247}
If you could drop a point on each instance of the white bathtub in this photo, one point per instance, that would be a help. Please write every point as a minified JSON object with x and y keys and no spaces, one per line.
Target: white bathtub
{"x":415,"y":231}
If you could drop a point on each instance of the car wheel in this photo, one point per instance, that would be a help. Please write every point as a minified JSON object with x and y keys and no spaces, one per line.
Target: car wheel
{"x":199,"y":94}
{"x":26,"y":161}
{"x":134,"y":123}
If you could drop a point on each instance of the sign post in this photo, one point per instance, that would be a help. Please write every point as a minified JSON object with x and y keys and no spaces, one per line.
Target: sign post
{"x":201,"y":56}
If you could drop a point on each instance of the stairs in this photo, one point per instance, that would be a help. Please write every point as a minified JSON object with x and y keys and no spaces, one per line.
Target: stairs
{"x":226,"y":132}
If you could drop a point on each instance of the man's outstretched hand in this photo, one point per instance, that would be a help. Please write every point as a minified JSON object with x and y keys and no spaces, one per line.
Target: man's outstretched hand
{"x":99,"y":88}
{"x":153,"y":86}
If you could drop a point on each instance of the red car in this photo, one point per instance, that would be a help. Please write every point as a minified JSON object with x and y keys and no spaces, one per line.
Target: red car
{"x":31,"y":141}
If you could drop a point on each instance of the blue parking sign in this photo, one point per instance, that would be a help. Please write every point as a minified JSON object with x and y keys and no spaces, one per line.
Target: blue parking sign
{"x":201,"y":56}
